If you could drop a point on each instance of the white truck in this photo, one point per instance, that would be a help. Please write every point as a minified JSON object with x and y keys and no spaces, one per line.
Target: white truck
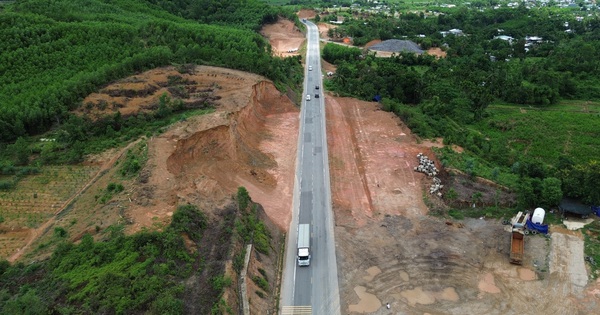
{"x":304,"y":245}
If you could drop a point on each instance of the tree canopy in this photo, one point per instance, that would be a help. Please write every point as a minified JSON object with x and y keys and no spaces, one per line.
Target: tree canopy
{"x":54,"y":53}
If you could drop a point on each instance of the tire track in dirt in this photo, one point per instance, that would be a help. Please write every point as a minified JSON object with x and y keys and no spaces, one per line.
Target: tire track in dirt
{"x":348,"y":187}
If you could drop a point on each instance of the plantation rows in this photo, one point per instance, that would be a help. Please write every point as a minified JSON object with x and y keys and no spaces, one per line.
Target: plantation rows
{"x":36,"y":198}
{"x":11,"y":241}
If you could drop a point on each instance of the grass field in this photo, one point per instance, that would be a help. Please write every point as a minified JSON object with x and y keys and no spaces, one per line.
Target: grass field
{"x":537,"y":134}
{"x":570,"y":127}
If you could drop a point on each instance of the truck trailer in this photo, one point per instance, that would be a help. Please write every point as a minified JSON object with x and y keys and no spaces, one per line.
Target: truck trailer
{"x":517,"y":247}
{"x":304,"y":245}
{"x":517,"y":239}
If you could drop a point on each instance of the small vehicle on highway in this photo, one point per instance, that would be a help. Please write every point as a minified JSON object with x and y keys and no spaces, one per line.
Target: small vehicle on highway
{"x":316,"y":95}
{"x":309,"y":68}
{"x":308,"y":97}
{"x":316,"y":87}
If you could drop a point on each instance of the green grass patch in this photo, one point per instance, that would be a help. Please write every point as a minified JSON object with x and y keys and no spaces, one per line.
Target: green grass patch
{"x":485,"y":212}
{"x":546,"y":133}
{"x":591,"y":233}
{"x":249,"y":226}
{"x":474,"y":165}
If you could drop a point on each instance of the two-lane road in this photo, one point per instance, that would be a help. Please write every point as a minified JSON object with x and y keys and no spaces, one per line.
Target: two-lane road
{"x":313,"y":289}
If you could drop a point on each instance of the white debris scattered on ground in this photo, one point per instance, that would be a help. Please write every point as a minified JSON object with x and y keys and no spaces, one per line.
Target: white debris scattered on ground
{"x":427,"y":166}
{"x":576,"y":224}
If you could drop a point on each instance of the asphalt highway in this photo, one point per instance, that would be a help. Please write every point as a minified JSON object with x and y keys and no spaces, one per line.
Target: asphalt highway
{"x":312,"y":289}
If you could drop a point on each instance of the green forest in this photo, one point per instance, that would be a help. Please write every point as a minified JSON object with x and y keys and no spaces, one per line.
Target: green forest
{"x":476,"y":95}
{"x":54,"y":53}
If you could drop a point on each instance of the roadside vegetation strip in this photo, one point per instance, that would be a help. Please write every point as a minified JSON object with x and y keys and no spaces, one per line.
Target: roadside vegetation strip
{"x":591,"y":234}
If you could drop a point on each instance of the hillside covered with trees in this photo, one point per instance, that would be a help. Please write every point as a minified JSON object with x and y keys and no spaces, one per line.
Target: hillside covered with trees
{"x":54,"y":53}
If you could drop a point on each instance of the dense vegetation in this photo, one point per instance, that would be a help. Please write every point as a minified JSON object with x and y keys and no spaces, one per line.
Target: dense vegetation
{"x":475,"y":96}
{"x":52,"y":54}
{"x":122,"y":274}
{"x":146,"y":272}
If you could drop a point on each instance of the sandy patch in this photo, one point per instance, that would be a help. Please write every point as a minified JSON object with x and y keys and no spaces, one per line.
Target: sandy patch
{"x":324,"y":29}
{"x":437,"y":52}
{"x":306,"y":14}
{"x":376,"y":176}
{"x":285,"y":38}
{"x":420,"y":296}
{"x":373,"y":42}
{"x":487,"y":284}
{"x":567,"y":262}
{"x":526,"y":274}
{"x":368,"y":302}
{"x":373,"y":271}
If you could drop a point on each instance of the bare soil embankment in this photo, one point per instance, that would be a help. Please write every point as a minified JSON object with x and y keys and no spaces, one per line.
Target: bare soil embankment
{"x":204,"y":159}
{"x":390,"y":250}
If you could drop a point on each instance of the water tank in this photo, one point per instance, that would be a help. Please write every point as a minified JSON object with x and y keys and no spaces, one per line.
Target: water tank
{"x":538,"y":216}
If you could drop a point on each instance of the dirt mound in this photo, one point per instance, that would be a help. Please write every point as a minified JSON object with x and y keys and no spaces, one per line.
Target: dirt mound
{"x":306,"y":14}
{"x":285,"y":38}
{"x":248,"y":141}
{"x":324,"y":28}
{"x":142,"y":93}
{"x":437,"y":52}
{"x":373,"y":42}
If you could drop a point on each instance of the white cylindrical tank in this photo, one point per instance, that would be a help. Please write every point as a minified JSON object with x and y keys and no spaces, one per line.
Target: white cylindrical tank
{"x":538,"y":216}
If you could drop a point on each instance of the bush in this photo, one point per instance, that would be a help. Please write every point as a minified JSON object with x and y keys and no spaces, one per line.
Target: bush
{"x":6,"y":184}
{"x":456,"y":214}
{"x":60,"y":232}
{"x":220,"y":282}
{"x":189,"y":219}
{"x":261,"y":283}
{"x":243,"y":198}
{"x":238,"y":260}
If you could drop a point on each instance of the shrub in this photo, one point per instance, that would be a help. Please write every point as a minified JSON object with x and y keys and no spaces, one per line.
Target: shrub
{"x":238,"y":261}
{"x":456,"y":214}
{"x":261,"y":283}
{"x":60,"y":232}
{"x":220,"y":282}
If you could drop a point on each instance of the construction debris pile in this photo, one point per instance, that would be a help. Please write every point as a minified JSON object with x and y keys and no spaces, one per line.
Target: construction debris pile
{"x":427,"y":166}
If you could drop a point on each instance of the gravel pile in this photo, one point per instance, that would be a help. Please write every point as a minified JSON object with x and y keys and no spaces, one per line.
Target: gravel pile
{"x":397,"y":45}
